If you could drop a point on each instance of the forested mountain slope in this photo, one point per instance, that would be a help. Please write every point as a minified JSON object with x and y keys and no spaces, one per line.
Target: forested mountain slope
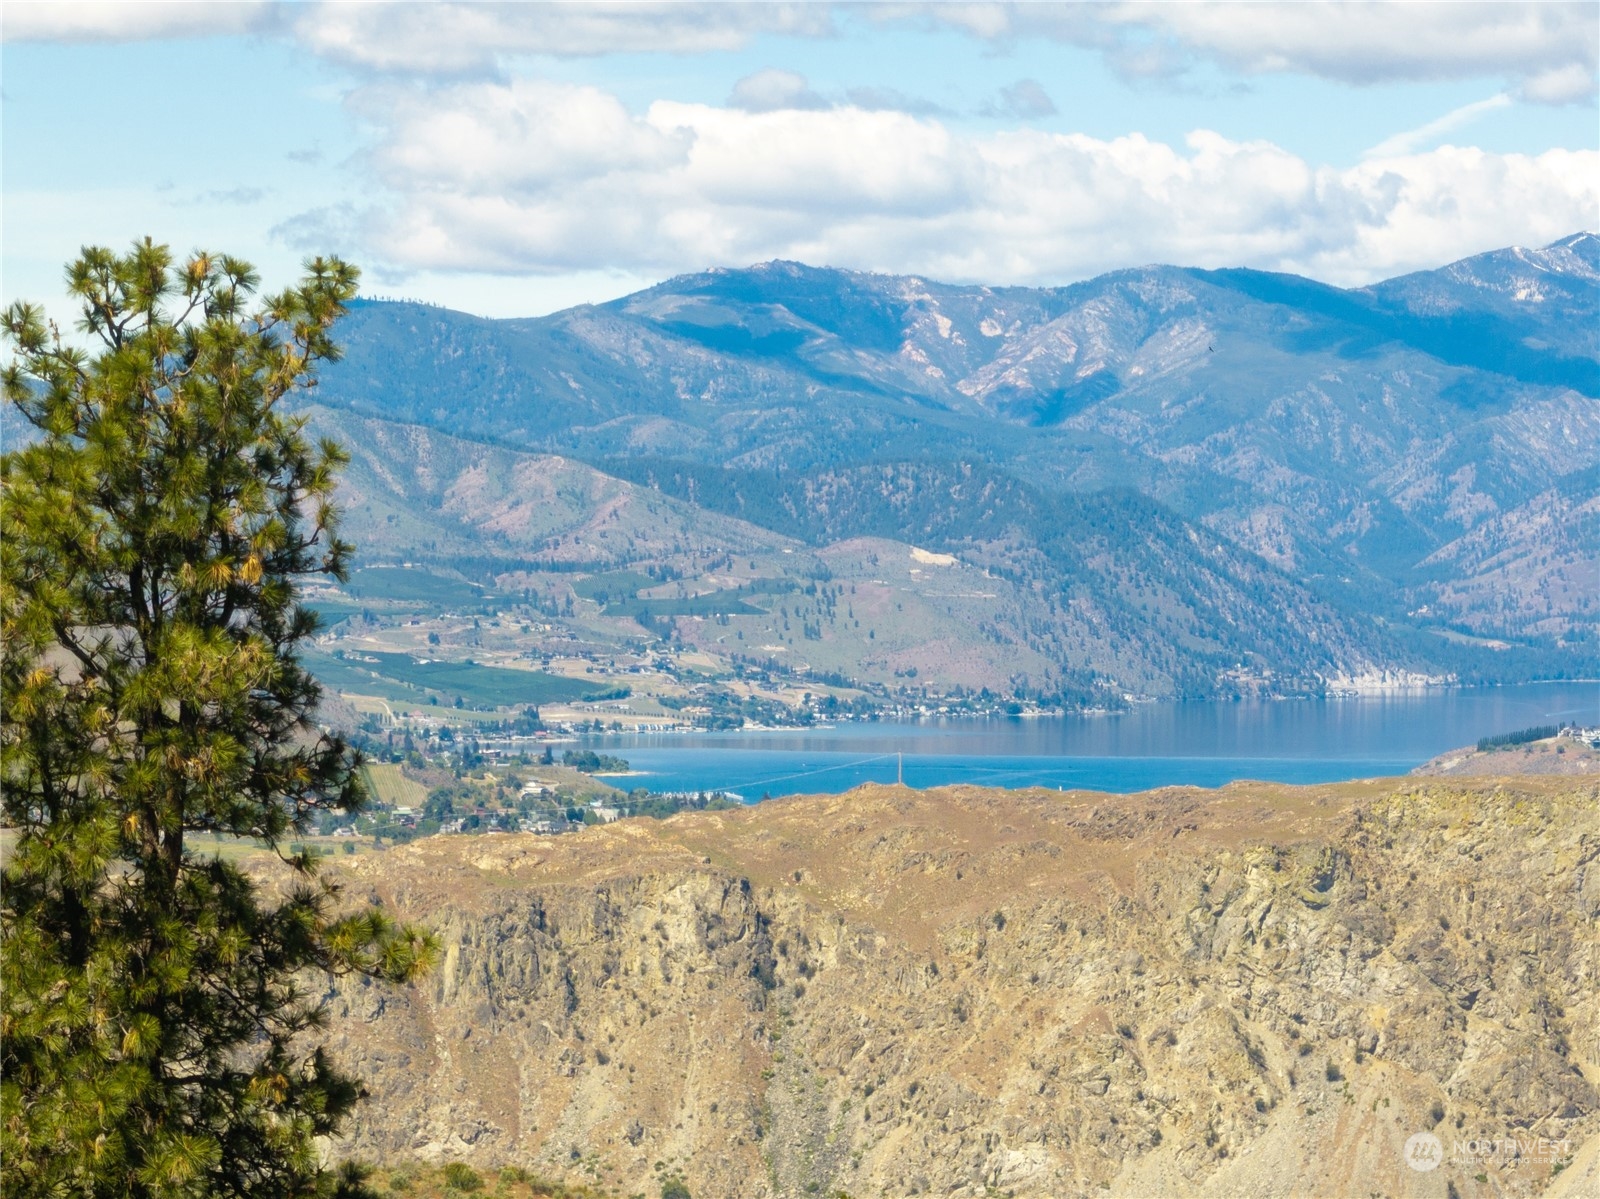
{"x":1404,"y":453}
{"x":1108,"y":589}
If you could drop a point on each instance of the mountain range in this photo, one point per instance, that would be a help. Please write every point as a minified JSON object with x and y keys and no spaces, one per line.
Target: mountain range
{"x":1175,"y":477}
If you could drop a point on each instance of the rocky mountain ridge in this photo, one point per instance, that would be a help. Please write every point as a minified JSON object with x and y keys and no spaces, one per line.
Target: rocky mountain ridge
{"x":1409,"y":452}
{"x":1079,"y":589}
{"x":1253,"y":991}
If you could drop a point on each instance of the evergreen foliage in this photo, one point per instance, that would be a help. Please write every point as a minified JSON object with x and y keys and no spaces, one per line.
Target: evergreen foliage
{"x":160,"y":1006}
{"x":1539,"y":732}
{"x":590,"y":762}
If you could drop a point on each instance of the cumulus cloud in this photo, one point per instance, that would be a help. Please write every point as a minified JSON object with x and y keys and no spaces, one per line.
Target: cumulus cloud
{"x":1549,"y":50}
{"x":1570,"y":84}
{"x":517,"y":139}
{"x":124,"y":22}
{"x":1368,"y":43}
{"x":547,"y":178}
{"x":474,"y":38}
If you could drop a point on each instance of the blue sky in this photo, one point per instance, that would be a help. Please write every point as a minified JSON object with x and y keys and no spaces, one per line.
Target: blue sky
{"x":512,"y":159}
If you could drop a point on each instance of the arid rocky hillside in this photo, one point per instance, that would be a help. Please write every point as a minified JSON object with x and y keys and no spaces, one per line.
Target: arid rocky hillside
{"x":1554,"y":755}
{"x":1253,"y":991}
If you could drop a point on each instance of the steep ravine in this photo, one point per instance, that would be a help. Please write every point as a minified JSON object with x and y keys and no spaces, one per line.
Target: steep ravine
{"x":1259,"y":990}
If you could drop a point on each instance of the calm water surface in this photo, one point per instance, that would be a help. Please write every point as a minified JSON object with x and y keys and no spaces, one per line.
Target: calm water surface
{"x":1289,"y":741}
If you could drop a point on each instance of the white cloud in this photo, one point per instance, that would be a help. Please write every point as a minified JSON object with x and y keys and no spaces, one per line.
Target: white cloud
{"x":1369,"y":42}
{"x":1570,"y":84}
{"x":1453,"y":201}
{"x":518,"y":139}
{"x":449,"y":37}
{"x":1549,"y":49}
{"x":773,"y":89}
{"x":124,"y":22}
{"x":1024,"y":100}
{"x":1414,"y":139}
{"x":546,"y":178}
{"x":1547,"y":52}
{"x":474,"y":38}
{"x":875,"y":99}
{"x":506,"y":295}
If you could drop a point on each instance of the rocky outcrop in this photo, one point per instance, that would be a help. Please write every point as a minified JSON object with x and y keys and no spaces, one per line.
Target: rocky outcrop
{"x":1553,"y":755}
{"x":1258,"y":990}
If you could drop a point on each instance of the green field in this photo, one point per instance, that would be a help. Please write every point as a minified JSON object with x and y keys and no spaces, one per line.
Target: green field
{"x":618,"y":585}
{"x":360,"y":678}
{"x":717,"y":603}
{"x":389,"y":785}
{"x":332,"y":611}
{"x":415,"y":586}
{"x":402,"y":678}
{"x":487,"y":684}
{"x":619,"y":593}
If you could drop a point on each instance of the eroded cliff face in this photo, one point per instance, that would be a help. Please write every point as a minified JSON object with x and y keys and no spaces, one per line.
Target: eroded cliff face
{"x":1253,"y":991}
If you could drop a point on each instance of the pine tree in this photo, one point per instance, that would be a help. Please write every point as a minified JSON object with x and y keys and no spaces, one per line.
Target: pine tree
{"x":158,"y":1035}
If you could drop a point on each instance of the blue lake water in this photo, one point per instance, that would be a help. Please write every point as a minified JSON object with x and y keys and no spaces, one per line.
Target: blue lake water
{"x":1155,"y":745}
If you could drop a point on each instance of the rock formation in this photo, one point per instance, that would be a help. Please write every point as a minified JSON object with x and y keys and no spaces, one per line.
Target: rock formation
{"x":1258,"y":990}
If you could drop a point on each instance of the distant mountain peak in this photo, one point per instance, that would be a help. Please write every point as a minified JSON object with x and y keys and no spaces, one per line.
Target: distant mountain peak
{"x":1584,"y":246}
{"x":1576,"y":255}
{"x":1582,"y":240}
{"x":789,"y":266}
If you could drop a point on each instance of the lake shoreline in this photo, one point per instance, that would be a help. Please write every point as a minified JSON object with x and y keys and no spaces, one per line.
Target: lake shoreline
{"x":1201,"y":743}
{"x":898,"y":717}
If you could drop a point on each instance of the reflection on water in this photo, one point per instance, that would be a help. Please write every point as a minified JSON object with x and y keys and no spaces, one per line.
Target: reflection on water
{"x":1293,"y":741}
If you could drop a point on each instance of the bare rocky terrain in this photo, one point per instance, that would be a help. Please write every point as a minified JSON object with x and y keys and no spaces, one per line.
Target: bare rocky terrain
{"x":1258,"y":990}
{"x":1554,"y":755}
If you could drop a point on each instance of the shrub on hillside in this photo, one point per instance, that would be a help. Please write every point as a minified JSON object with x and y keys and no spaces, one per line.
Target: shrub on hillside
{"x":462,"y":1177}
